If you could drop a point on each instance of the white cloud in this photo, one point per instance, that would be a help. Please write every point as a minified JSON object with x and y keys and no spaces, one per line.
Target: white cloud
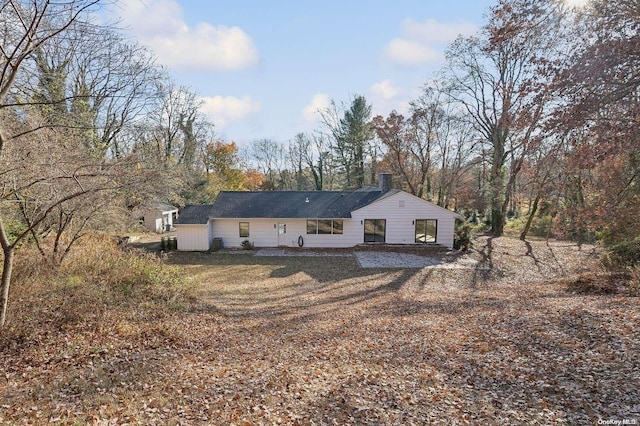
{"x":411,"y":53}
{"x":423,"y":43}
{"x":384,"y":89}
{"x":432,"y":31}
{"x":160,"y":25}
{"x":386,"y":97}
{"x":224,"y":110}
{"x":319,"y":102}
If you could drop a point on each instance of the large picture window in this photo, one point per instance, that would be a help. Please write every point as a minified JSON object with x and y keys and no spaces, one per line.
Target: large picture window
{"x":324,"y":226}
{"x":244,"y":229}
{"x":426,"y":230}
{"x":375,"y":230}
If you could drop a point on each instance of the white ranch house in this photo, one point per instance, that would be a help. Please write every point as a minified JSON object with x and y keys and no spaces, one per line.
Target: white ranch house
{"x":315,"y":219}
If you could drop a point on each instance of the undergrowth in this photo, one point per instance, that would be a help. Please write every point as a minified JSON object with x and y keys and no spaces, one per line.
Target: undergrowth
{"x":98,"y":284}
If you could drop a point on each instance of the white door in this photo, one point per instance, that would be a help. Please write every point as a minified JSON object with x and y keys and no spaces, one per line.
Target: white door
{"x":282,"y":234}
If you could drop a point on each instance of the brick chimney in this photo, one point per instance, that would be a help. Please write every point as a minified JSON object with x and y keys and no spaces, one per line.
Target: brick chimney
{"x":384,"y":181}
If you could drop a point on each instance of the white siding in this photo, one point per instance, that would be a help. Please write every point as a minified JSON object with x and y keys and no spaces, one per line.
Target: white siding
{"x":400,"y":227}
{"x":194,"y":237}
{"x":264,"y":233}
{"x":352,"y":234}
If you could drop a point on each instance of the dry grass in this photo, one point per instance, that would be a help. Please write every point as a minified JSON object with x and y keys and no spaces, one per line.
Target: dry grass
{"x":321,"y":341}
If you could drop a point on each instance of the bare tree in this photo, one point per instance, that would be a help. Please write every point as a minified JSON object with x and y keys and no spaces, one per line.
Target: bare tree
{"x":269,"y":157}
{"x":52,"y":180}
{"x":599,"y":84}
{"x":318,"y":160}
{"x":94,"y":81}
{"x":175,"y":131}
{"x":495,"y":77}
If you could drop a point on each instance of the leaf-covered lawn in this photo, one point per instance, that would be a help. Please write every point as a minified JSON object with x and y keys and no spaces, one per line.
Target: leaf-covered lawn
{"x":318,"y":340}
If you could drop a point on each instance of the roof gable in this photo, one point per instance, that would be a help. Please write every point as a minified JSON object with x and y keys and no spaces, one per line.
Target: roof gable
{"x":392,"y":194}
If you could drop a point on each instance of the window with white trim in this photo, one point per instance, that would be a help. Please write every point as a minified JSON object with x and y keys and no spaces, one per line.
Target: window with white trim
{"x":244,"y":229}
{"x":325,"y":226}
{"x":426,"y":230}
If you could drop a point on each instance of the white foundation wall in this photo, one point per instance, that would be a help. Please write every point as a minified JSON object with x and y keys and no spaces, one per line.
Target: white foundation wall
{"x":194,"y":237}
{"x":400,"y":211}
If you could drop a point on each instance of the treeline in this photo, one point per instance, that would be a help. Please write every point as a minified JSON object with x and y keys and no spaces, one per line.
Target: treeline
{"x":533,"y":117}
{"x":91,"y":129}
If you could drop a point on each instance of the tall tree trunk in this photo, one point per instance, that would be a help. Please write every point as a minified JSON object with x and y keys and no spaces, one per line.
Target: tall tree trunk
{"x":7,"y":267}
{"x":497,"y":186}
{"x":532,"y":213}
{"x":497,"y":201}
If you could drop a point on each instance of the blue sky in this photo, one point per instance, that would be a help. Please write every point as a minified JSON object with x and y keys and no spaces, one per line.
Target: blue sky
{"x":263,"y":68}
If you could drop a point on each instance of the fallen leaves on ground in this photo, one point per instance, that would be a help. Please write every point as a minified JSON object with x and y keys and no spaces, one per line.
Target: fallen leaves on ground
{"x":322,"y":341}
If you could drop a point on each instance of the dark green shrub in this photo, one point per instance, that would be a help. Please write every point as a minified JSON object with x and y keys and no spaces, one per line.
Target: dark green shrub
{"x":247,"y":245}
{"x":462,"y":236}
{"x":623,"y":254}
{"x":172,"y":243}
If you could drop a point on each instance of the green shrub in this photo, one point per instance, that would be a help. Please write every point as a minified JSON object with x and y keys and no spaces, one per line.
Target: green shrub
{"x":622,"y":255}
{"x":247,"y":245}
{"x":172,"y":243}
{"x":462,"y":236}
{"x":540,"y":226}
{"x":15,"y":229}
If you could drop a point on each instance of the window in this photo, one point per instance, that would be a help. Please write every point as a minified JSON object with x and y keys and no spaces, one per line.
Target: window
{"x":312,"y":226}
{"x":324,"y":226}
{"x":337,"y":226}
{"x":426,"y":230}
{"x":374,"y":230}
{"x":244,"y":229}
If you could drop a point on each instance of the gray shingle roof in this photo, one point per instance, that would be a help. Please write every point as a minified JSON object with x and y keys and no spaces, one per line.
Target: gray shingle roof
{"x":195,"y":214}
{"x":291,"y":204}
{"x":280,"y":204}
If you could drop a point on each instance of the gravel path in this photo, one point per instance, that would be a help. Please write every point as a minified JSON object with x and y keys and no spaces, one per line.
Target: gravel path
{"x":378,"y":259}
{"x":394,"y":260}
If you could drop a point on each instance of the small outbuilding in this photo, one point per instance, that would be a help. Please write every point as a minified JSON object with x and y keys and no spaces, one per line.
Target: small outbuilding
{"x":315,"y":219}
{"x":160,"y":217}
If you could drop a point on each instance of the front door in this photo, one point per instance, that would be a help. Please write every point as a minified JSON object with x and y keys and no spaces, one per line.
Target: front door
{"x":375,"y":230}
{"x":282,"y":234}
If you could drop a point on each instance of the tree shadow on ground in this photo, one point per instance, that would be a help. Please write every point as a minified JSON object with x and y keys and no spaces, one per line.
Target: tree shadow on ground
{"x":303,"y":287}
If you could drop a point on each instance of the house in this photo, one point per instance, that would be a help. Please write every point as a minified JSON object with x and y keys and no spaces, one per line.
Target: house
{"x":160,"y":217}
{"x":315,"y":219}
